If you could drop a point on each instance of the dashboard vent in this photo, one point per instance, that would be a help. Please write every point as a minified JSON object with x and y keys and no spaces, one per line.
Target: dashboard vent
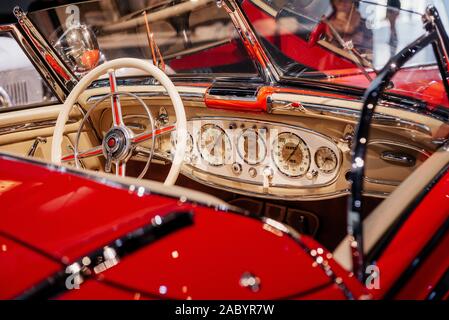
{"x":234,"y":92}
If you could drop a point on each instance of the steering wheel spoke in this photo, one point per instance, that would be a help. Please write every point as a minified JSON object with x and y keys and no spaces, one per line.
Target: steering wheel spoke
{"x":117,"y":116}
{"x":120,"y":168}
{"x":93,"y":152}
{"x":148,"y":135}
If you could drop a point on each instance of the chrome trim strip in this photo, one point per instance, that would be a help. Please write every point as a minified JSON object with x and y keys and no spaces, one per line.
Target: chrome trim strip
{"x":327,"y":196}
{"x":310,"y":109}
{"x":351,"y":114}
{"x":27,"y":126}
{"x":399,"y":144}
{"x":108,"y":255}
{"x":192,"y":96}
{"x":382,"y":182}
{"x":319,"y":259}
{"x":50,"y":59}
{"x":251,"y":42}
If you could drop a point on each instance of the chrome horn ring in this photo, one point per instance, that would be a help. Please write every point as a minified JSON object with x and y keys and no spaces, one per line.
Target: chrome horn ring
{"x":124,"y":146}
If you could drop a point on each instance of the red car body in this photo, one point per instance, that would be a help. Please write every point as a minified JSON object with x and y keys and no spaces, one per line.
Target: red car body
{"x":67,"y":215}
{"x":53,"y":217}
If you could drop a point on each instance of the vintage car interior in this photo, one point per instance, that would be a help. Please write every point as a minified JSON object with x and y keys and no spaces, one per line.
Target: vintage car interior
{"x":273,"y":148}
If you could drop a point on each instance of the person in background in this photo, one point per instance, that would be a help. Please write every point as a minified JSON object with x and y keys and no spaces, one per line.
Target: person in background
{"x":393,"y":10}
{"x":348,"y":22}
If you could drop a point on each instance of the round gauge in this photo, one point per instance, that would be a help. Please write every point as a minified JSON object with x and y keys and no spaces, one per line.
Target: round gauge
{"x":326,"y":160}
{"x":291,"y":155}
{"x":189,"y":145}
{"x":251,"y":147}
{"x":214,"y":145}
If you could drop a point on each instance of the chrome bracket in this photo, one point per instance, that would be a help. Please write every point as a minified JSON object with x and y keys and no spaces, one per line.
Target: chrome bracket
{"x":250,"y":41}
{"x":35,"y":144}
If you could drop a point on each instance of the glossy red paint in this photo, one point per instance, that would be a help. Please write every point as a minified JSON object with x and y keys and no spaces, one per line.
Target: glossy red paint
{"x":67,"y":216}
{"x":423,"y":83}
{"x":259,"y":104}
{"x":427,"y":276}
{"x":415,"y":233}
{"x":227,"y":53}
{"x":21,"y":267}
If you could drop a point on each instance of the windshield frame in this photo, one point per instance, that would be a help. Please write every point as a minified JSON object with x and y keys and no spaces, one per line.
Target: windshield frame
{"x":267,"y":72}
{"x":255,"y":76}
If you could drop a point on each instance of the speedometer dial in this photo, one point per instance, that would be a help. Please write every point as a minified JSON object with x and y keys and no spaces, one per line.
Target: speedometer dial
{"x":214,"y":145}
{"x":291,"y":155}
{"x":251,"y":147}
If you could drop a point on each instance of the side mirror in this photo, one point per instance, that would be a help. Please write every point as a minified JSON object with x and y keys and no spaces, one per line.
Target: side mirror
{"x":79,"y":48}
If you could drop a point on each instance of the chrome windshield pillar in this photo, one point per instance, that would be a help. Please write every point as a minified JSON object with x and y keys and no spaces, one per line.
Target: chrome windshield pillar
{"x":250,"y":40}
{"x":49,"y":58}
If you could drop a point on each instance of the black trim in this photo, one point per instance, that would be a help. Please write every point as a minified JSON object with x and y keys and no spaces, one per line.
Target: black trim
{"x":31,"y":247}
{"x":299,"y":295}
{"x":418,"y":261}
{"x":126,"y":245}
{"x":441,"y":289}
{"x":370,"y":101}
{"x":437,"y":37}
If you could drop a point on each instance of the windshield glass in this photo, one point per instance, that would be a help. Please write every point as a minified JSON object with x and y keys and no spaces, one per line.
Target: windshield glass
{"x":182,"y":37}
{"x":341,"y":41}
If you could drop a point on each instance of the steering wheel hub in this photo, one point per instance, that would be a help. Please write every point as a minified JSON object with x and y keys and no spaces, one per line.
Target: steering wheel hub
{"x":116,"y":144}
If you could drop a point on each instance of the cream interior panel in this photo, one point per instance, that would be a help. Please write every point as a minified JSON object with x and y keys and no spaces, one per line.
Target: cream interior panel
{"x":332,"y":127}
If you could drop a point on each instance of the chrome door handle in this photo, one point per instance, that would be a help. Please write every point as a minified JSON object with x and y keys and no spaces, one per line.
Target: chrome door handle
{"x":399,"y":158}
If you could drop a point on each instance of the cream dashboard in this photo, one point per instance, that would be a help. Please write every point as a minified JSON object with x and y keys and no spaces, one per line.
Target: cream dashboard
{"x":286,"y":153}
{"x":263,"y":155}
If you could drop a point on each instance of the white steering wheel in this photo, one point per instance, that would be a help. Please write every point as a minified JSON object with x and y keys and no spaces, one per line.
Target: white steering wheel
{"x":119,"y":142}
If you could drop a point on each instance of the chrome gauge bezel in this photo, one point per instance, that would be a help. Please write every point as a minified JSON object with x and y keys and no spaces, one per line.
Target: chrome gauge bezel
{"x":305,"y":154}
{"x":334,"y":156}
{"x":189,"y":143}
{"x":260,"y":141}
{"x":228,"y":154}
{"x":281,"y":184}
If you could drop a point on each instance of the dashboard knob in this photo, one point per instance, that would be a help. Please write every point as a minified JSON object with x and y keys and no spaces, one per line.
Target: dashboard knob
{"x":236,"y":168}
{"x":252,"y":172}
{"x":267,"y":177}
{"x":312,"y":174}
